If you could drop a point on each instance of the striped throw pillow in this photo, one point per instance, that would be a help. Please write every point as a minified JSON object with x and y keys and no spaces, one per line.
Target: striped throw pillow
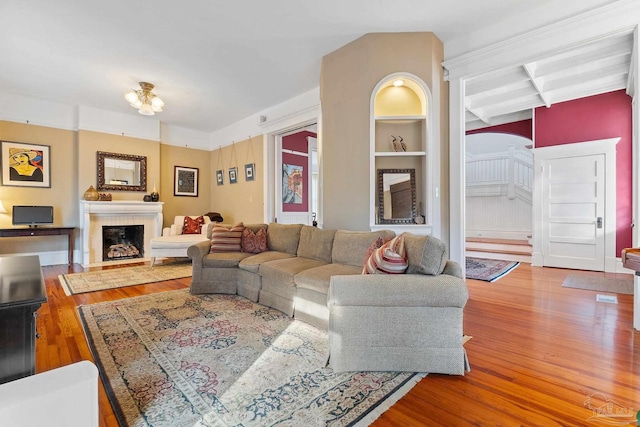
{"x":226,"y":239}
{"x":390,"y":258}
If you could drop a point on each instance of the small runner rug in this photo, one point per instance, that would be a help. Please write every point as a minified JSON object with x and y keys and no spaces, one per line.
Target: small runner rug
{"x":112,"y":278}
{"x":601,"y":284}
{"x":175,"y":359}
{"x":488,"y":270}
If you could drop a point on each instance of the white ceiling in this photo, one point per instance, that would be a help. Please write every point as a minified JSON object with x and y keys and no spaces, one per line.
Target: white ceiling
{"x":216,"y":62}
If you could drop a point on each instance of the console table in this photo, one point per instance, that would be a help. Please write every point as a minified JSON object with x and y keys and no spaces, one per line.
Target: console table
{"x":42,"y":231}
{"x":22,"y":292}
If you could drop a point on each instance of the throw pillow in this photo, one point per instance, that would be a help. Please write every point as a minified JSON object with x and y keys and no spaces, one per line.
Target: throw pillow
{"x":390,"y":258}
{"x":254,"y":243}
{"x":192,"y":225}
{"x":226,"y":239}
{"x":375,"y":245}
{"x":426,"y":254}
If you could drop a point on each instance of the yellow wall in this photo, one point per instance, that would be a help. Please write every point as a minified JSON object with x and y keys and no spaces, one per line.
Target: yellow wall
{"x":243,"y":201}
{"x":89,"y":143}
{"x":63,"y":192}
{"x":62,"y":195}
{"x":73,"y":170}
{"x":348,"y":78}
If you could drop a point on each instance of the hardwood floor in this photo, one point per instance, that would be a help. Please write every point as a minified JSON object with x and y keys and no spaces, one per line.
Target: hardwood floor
{"x":538,"y":352}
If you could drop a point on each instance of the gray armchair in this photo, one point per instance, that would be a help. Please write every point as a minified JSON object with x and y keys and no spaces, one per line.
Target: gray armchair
{"x":405,"y":322}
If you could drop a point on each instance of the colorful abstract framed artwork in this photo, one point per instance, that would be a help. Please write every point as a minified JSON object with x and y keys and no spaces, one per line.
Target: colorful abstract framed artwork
{"x":25,"y":165}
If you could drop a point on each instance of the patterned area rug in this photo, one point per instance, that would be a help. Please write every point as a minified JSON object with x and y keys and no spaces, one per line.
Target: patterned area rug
{"x":488,"y":270}
{"x":602,"y":284}
{"x":91,"y":281}
{"x":175,"y":359}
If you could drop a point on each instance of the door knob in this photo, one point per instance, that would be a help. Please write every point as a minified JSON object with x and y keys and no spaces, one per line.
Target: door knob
{"x":599,"y":222}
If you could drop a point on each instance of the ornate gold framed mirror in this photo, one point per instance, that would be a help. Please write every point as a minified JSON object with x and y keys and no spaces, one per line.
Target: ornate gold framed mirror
{"x":121,"y":172}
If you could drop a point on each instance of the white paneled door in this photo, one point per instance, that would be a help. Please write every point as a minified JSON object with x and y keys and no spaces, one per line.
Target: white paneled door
{"x":573,"y":196}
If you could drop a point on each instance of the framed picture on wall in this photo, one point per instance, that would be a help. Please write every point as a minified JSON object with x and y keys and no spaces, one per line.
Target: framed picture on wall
{"x":220,"y":177}
{"x":248,"y":172}
{"x":185,"y":181}
{"x":233,"y":175}
{"x":25,"y":165}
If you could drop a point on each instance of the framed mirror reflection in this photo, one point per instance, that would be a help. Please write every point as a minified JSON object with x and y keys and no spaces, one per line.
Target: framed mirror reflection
{"x":121,"y":172}
{"x":396,"y":196}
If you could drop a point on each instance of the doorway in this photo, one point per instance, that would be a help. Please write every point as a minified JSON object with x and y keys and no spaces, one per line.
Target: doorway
{"x":498,"y":196}
{"x":297,"y":179}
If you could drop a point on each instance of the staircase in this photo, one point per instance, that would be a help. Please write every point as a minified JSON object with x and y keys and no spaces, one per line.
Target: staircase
{"x":503,"y":249}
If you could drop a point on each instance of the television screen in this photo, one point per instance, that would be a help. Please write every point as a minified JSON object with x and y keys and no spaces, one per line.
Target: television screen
{"x":32,"y":215}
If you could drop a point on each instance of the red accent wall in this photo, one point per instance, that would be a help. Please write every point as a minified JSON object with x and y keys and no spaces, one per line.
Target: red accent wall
{"x":523,"y":128}
{"x":592,"y":118}
{"x":298,"y":142}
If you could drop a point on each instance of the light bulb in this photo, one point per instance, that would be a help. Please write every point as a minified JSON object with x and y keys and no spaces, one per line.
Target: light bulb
{"x":131,"y":96}
{"x":398,"y":82}
{"x":157,"y":104}
{"x":145,"y":110}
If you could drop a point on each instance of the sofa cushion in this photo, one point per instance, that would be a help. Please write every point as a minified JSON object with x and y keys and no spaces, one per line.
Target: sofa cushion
{"x":172,"y":241}
{"x":390,"y":258}
{"x":254,"y":242}
{"x":317,"y":279}
{"x":283,"y":237}
{"x":252,"y":263}
{"x":226,"y":239}
{"x":316,"y":243}
{"x":350,"y":247}
{"x":224,"y":259}
{"x":192,"y":225}
{"x":426,"y":254}
{"x":283,"y":270}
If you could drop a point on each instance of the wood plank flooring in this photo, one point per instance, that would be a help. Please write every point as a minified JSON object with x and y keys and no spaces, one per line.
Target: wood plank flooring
{"x":538,"y":352}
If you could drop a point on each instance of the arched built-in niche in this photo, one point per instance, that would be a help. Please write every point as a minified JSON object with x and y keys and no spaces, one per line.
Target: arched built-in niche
{"x":400,"y":139}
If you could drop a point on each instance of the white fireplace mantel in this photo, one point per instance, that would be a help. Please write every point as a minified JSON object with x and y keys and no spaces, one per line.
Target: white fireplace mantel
{"x":94,"y":215}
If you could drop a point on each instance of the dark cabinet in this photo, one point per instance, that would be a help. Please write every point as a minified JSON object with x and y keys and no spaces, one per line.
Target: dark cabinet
{"x":22,"y":292}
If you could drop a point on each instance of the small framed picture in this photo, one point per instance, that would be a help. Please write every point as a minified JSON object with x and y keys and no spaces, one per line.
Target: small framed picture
{"x":220,"y":177}
{"x":233,"y":175}
{"x":248,"y":172}
{"x":26,"y":165}
{"x":185,"y":181}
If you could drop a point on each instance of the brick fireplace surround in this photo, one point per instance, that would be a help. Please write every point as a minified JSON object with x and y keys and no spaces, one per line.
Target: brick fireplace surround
{"x":95,"y":215}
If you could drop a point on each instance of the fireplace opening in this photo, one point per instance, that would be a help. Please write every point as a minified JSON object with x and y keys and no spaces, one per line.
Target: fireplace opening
{"x":122,"y":242}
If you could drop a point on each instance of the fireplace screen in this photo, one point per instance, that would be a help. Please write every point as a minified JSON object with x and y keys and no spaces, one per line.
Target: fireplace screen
{"x":122,"y":242}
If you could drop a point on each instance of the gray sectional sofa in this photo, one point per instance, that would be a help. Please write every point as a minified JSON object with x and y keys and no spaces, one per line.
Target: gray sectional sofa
{"x":401,"y":322}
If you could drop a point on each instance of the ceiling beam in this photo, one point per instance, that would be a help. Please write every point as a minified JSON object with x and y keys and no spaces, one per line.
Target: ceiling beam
{"x":476,"y":112}
{"x":530,"y":69}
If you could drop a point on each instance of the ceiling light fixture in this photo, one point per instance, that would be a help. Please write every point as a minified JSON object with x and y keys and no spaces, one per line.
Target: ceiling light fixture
{"x":398,"y":83}
{"x":144,"y":99}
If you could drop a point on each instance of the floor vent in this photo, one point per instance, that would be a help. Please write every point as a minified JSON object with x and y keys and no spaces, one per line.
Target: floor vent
{"x":611,"y":299}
